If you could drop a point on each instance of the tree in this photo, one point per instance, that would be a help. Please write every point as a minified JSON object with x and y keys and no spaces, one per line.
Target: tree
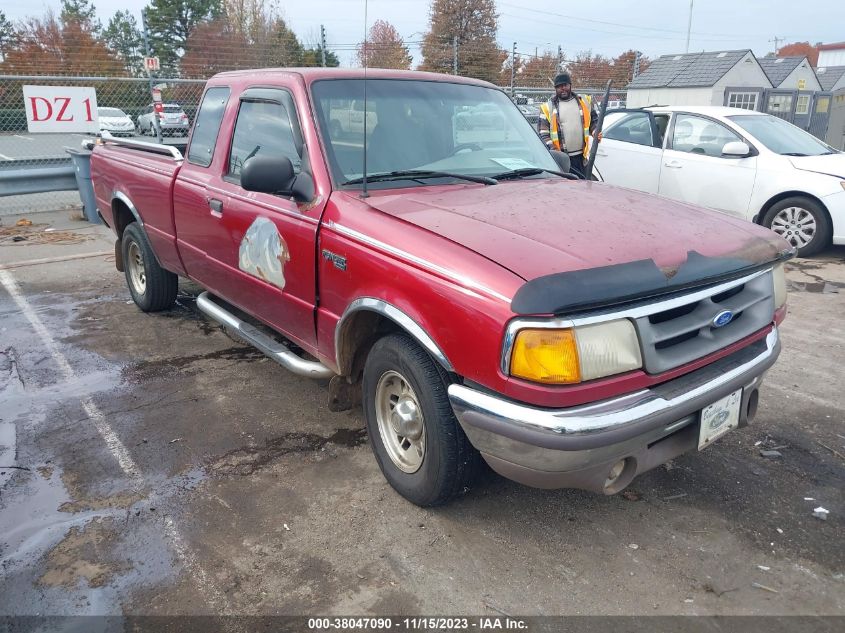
{"x":589,"y":71}
{"x":384,"y":48}
{"x":539,"y":71}
{"x":472,"y":25}
{"x":800,"y":49}
{"x":123,"y":38}
{"x":82,"y":12}
{"x":622,"y":71}
{"x":8,"y":35}
{"x":170,"y":23}
{"x":313,"y":56}
{"x":49,"y":46}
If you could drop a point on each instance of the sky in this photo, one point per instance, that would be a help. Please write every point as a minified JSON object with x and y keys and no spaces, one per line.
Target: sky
{"x":609,"y":27}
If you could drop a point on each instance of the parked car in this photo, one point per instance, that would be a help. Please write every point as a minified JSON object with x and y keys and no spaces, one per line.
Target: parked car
{"x":484,"y":116}
{"x":752,"y":165}
{"x":347,"y":117}
{"x":115,"y":121}
{"x":531,"y":113}
{"x":172,"y":120}
{"x":479,"y":303}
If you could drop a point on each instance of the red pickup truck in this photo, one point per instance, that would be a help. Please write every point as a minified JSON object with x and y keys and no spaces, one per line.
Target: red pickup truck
{"x":479,"y":302}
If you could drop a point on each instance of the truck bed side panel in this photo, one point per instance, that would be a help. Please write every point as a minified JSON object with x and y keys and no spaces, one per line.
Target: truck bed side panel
{"x":146,"y":180}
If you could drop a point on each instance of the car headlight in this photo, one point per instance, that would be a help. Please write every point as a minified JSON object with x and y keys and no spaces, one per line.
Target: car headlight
{"x":779,"y":280}
{"x":572,"y":355}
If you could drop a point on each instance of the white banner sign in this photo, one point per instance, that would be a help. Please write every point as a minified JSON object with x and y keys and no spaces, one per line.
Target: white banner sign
{"x":60,"y":109}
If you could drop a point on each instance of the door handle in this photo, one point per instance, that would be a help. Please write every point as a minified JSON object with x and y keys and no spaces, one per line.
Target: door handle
{"x":674,"y":164}
{"x":216,"y":207}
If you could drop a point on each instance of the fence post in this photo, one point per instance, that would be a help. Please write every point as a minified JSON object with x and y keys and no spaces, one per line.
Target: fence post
{"x":150,"y":74}
{"x":513,"y":67}
{"x":455,"y":55}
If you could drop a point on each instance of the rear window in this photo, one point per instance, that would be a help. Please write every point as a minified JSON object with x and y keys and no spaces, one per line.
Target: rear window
{"x":172,"y":109}
{"x":207,"y":125}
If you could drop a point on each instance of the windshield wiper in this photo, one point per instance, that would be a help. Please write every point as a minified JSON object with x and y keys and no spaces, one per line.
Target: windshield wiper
{"x":531,"y":171}
{"x":793,"y":154}
{"x":418,"y":174}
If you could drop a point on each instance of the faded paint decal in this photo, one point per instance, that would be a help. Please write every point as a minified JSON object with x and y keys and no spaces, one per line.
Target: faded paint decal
{"x":263,"y":252}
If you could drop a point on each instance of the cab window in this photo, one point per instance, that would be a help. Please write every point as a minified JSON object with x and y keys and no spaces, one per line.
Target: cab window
{"x":207,"y":126}
{"x":263,"y":128}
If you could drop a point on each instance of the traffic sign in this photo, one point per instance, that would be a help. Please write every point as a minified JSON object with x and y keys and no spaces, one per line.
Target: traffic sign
{"x":156,"y":95}
{"x":151,"y":64}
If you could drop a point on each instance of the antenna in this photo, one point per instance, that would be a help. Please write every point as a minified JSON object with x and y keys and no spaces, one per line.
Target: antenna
{"x":364,"y":193}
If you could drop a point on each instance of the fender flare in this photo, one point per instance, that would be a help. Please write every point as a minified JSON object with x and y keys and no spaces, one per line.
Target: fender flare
{"x":391,"y":312}
{"x":119,"y":195}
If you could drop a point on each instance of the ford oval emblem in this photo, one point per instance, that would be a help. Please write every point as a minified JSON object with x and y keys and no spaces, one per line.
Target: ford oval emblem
{"x":723,"y":318}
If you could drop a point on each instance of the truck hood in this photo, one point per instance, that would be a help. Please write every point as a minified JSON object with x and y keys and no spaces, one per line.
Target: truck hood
{"x":537,"y":228}
{"x":830,"y":164}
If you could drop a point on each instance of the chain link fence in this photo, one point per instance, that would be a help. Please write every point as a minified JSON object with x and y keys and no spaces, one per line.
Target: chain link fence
{"x":124,"y":105}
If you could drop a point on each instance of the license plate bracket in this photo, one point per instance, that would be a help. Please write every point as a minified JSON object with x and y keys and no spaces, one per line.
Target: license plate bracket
{"x":719,"y":418}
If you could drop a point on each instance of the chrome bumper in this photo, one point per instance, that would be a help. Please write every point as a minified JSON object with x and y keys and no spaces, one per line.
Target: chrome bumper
{"x":560,"y":441}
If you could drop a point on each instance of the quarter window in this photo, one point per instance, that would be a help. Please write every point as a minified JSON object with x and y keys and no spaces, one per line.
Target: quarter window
{"x":207,"y":126}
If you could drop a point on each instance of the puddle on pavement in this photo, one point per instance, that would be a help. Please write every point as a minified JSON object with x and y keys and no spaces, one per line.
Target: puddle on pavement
{"x":245,"y":461}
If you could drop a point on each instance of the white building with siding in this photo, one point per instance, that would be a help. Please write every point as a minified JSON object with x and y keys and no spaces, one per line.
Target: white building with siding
{"x":831,"y":55}
{"x":700,"y":79}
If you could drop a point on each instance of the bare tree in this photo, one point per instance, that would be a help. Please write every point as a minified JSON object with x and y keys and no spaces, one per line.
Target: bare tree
{"x":384,"y":48}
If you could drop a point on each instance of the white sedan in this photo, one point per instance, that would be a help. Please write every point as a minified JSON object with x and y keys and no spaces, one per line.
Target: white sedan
{"x":115,"y":121}
{"x":748,"y":164}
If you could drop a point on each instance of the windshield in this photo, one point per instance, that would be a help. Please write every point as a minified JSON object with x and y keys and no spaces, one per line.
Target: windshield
{"x":779,"y":136}
{"x":424,"y":125}
{"x":110,"y":112}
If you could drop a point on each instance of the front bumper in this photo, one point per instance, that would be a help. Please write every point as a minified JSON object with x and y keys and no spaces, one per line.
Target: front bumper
{"x":577,"y":447}
{"x":835,"y":205}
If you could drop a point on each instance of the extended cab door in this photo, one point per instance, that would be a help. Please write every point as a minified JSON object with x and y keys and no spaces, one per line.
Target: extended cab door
{"x":695,"y":171}
{"x":630,"y":151}
{"x":258,"y":250}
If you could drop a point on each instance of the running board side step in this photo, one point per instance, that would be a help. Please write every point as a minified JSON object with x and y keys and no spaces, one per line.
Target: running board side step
{"x":265,"y":344}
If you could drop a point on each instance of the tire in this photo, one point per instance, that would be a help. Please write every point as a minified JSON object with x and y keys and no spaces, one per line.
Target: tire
{"x":152,"y":287}
{"x":447,"y":464}
{"x":796,"y":213}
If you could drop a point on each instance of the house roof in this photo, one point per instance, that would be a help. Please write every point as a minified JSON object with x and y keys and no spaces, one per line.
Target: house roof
{"x":829,"y":76}
{"x":779,"y":68}
{"x":832,"y":47}
{"x":690,"y":70}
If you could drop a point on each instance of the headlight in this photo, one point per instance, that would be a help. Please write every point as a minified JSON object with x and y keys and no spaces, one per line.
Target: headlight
{"x":779,"y":279}
{"x":571,"y":355}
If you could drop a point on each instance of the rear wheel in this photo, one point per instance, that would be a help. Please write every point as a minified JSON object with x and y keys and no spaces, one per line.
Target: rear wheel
{"x":417,"y":441}
{"x":802,"y":222}
{"x":152,"y":287}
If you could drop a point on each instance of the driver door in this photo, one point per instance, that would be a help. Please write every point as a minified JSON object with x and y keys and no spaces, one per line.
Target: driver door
{"x":630,"y":151}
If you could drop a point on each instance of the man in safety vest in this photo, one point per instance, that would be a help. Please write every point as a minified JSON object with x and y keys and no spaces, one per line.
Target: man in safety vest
{"x":566,"y":122}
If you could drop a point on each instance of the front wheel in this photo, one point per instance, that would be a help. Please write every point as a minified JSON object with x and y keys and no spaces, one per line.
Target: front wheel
{"x":152,"y":287}
{"x":802,"y":222}
{"x":417,"y":441}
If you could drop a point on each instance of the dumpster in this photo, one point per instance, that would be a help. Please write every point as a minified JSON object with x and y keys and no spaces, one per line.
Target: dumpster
{"x":82,"y":167}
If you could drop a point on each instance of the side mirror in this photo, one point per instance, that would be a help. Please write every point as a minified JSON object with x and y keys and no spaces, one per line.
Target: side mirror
{"x":562,"y":160}
{"x":736,"y":149}
{"x":268,"y":174}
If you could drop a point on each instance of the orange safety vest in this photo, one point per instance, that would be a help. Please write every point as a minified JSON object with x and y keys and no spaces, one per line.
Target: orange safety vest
{"x":554,"y":125}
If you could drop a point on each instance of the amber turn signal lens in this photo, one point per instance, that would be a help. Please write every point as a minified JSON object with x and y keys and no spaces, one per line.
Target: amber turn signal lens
{"x":547,"y":356}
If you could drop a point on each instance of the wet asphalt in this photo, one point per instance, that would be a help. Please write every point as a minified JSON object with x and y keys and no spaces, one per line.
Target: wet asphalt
{"x":151,"y":465}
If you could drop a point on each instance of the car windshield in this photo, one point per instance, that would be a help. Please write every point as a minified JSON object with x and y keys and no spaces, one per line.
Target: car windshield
{"x":780,"y":136}
{"x":431,"y":126}
{"x":112,"y":112}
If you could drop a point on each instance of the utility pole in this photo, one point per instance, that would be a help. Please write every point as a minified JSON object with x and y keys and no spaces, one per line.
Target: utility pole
{"x":323,"y":44}
{"x":559,"y":58}
{"x":150,"y":74}
{"x":689,"y":24}
{"x":777,"y":41}
{"x":455,"y":55}
{"x":636,"y":64}
{"x":513,"y":67}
